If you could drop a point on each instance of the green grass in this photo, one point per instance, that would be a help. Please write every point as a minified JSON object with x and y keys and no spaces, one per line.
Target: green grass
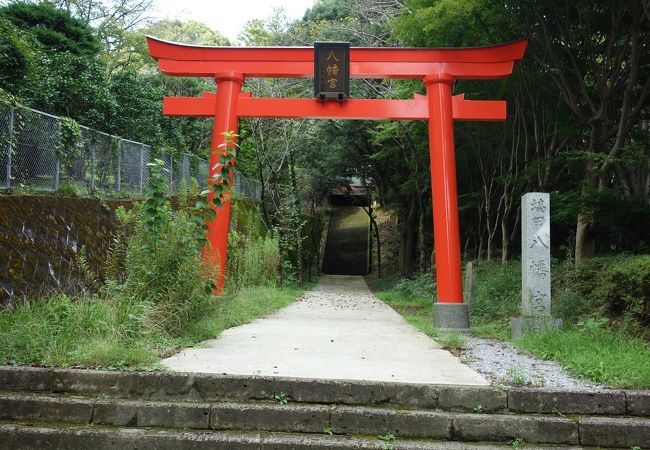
{"x":114,"y":335}
{"x":602,"y":304}
{"x":607,"y":357}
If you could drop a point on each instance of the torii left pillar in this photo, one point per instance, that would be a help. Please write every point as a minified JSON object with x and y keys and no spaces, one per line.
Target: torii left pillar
{"x":225,"y":121}
{"x":450,"y":312}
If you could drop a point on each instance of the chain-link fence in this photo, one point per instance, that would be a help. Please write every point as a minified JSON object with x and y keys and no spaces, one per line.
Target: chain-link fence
{"x":6,"y":138}
{"x":31,"y":160}
{"x":247,"y":188}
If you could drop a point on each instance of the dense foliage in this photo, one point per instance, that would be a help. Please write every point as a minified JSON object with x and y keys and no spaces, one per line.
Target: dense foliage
{"x":149,"y":299}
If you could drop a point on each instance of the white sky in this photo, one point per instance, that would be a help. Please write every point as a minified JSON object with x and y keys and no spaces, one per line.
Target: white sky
{"x":227,"y":16}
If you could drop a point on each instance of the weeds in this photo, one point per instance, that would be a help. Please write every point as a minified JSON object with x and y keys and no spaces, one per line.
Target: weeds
{"x":609,"y":357}
{"x":453,"y":342}
{"x":605,"y":304}
{"x":281,"y":398}
{"x":516,"y":376}
{"x":388,"y":440}
{"x":115,"y":335}
{"x":518,"y":443}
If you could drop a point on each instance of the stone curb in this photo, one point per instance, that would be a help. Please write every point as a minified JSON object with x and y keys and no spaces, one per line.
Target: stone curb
{"x":506,"y":428}
{"x":19,"y":437}
{"x":549,"y":401}
{"x":212,"y":387}
{"x":615,"y":432}
{"x":349,"y":420}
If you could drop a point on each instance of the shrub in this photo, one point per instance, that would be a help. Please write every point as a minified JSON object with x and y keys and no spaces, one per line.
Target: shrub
{"x":253,"y":253}
{"x":419,"y":287}
{"x":164,"y":273}
{"x":615,"y":287}
{"x":498,"y":292}
{"x":252,"y":261}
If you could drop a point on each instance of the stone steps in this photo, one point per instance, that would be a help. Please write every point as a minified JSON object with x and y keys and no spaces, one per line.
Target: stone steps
{"x":53,"y":436}
{"x":313,"y":418}
{"x":130,"y":404}
{"x":174,"y":386}
{"x":346,"y":249}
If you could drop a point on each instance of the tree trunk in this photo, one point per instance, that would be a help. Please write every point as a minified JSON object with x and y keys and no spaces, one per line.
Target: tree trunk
{"x":407,"y":240}
{"x":297,"y":215}
{"x":505,"y":241}
{"x":479,"y":231}
{"x":378,"y":248}
{"x":585,"y":237}
{"x":585,"y":240}
{"x":422,"y":243}
{"x":490,"y":243}
{"x":314,"y":246}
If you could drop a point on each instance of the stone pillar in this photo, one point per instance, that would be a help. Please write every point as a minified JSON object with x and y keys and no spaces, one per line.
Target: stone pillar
{"x":469,"y":285}
{"x":535,"y":266}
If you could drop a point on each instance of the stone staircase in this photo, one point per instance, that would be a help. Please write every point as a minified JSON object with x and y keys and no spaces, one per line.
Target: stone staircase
{"x":79,"y":409}
{"x":346,"y":250}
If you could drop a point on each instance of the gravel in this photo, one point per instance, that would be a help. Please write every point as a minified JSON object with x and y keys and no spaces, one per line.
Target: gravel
{"x":503,"y":364}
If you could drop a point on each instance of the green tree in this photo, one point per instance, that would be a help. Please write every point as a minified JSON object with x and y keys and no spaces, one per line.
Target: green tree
{"x":131,"y":51}
{"x":17,"y":52}
{"x":70,"y":85}
{"x":595,"y":54}
{"x":55,"y":29}
{"x":138,"y":107}
{"x":328,"y":10}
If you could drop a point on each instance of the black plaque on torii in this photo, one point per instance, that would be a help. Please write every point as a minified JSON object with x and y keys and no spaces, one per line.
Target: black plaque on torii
{"x":332,"y":70}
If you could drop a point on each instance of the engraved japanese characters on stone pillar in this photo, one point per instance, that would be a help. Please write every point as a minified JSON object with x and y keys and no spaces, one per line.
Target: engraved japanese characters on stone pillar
{"x":535,"y":266}
{"x":536,"y":255}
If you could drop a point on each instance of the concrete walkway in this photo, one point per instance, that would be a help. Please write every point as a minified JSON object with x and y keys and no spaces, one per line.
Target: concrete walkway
{"x":338,"y":330}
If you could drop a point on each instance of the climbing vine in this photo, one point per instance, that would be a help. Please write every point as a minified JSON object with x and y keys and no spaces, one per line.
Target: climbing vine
{"x":7,"y":98}
{"x":69,"y":145}
{"x":220,"y":185}
{"x":116,"y":146}
{"x":154,"y":204}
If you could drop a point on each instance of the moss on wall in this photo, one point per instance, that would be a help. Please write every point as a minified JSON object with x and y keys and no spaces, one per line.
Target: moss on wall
{"x":40,"y":239}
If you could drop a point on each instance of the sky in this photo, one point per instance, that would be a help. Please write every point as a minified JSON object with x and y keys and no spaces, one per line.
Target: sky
{"x":227,"y":16}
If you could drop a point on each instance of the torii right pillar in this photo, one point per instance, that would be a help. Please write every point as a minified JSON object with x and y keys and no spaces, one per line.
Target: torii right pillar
{"x":450,"y":313}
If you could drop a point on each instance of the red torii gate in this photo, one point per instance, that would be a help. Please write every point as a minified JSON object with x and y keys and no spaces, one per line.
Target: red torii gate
{"x":439,"y":68}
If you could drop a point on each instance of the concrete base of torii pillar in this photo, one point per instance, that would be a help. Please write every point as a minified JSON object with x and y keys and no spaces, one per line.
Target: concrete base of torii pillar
{"x":451,"y":317}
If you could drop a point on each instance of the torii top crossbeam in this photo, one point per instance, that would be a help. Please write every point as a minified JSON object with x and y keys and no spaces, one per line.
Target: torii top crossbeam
{"x":476,"y":63}
{"x":439,"y":68}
